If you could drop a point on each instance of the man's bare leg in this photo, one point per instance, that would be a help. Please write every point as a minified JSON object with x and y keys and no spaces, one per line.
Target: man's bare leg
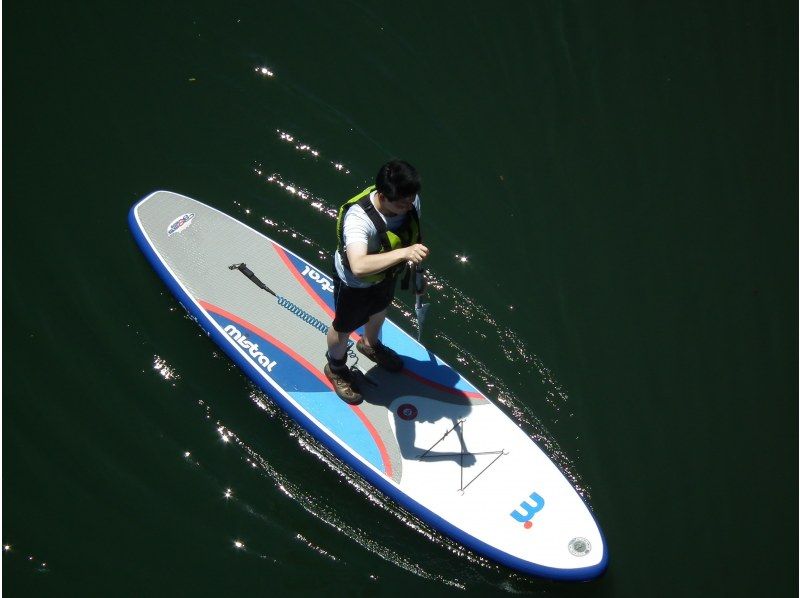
{"x":337,"y":343}
{"x":372,"y":328}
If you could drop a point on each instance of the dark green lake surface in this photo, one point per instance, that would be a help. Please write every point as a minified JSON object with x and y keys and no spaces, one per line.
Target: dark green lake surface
{"x":621,"y":178}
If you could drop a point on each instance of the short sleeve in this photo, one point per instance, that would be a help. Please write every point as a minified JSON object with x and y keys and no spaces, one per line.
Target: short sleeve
{"x":356,"y":227}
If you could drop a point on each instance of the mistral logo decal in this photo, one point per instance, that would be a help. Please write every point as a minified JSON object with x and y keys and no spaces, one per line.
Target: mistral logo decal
{"x":527,"y":510}
{"x":251,"y":347}
{"x":179,"y":224}
{"x":318,"y":278}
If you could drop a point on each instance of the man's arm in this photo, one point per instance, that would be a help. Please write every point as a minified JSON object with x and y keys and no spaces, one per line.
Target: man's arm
{"x":363,"y":264}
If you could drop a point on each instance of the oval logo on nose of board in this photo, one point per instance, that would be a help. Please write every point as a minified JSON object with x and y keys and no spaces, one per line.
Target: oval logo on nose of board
{"x":407,"y":411}
{"x":180,"y":223}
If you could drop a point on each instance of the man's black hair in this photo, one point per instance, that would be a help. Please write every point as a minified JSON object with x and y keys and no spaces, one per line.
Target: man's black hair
{"x":397,"y":179}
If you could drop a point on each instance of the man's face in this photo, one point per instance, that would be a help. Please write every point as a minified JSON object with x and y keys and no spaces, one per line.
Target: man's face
{"x":401,"y":206}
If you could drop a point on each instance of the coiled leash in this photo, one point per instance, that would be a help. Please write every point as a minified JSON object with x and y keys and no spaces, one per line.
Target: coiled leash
{"x":282,"y":301}
{"x":299,"y":312}
{"x":303,"y":315}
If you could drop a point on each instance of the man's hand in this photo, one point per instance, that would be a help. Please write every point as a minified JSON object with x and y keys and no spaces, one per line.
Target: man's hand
{"x":416,"y":254}
{"x":363,"y":264}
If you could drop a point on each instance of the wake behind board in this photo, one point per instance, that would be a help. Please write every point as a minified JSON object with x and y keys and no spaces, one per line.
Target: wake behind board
{"x":426,"y":437}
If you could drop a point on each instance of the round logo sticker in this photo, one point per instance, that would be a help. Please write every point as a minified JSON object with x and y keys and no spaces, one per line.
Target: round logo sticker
{"x":407,"y":411}
{"x":579,"y":547}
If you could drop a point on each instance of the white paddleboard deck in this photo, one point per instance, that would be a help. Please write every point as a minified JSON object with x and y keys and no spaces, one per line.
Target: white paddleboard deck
{"x":425,"y":436}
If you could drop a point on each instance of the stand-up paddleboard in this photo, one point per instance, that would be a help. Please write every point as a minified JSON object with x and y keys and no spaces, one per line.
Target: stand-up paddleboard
{"x":425,"y":436}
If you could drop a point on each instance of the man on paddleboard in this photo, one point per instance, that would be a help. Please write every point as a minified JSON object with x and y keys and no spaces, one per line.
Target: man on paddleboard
{"x":378,"y":234}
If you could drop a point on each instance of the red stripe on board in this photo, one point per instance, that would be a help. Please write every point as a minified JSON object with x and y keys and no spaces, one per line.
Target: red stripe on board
{"x":387,"y":464}
{"x":302,"y":280}
{"x":269,"y":338}
{"x":448,"y":389}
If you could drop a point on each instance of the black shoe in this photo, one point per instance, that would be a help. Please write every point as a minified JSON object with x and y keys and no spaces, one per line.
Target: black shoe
{"x":343,"y":385}
{"x":382,"y":355}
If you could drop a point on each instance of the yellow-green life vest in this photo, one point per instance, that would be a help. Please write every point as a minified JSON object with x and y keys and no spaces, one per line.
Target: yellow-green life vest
{"x":408,"y":234}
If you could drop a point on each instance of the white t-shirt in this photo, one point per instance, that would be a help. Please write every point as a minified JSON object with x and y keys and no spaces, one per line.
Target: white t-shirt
{"x":358,"y":228}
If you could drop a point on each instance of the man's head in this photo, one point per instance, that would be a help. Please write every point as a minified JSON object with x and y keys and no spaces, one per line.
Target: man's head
{"x":398,"y":182}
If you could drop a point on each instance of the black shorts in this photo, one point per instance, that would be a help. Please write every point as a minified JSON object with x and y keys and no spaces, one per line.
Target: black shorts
{"x":354,"y":306}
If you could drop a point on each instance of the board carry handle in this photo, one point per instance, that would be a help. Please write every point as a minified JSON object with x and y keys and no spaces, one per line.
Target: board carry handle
{"x":251,"y":275}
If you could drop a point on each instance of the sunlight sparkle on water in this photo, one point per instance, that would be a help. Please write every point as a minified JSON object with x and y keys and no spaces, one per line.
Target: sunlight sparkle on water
{"x":163,"y":368}
{"x":305,"y":147}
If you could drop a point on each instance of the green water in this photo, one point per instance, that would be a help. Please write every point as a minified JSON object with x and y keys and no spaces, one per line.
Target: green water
{"x":621,"y":177}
